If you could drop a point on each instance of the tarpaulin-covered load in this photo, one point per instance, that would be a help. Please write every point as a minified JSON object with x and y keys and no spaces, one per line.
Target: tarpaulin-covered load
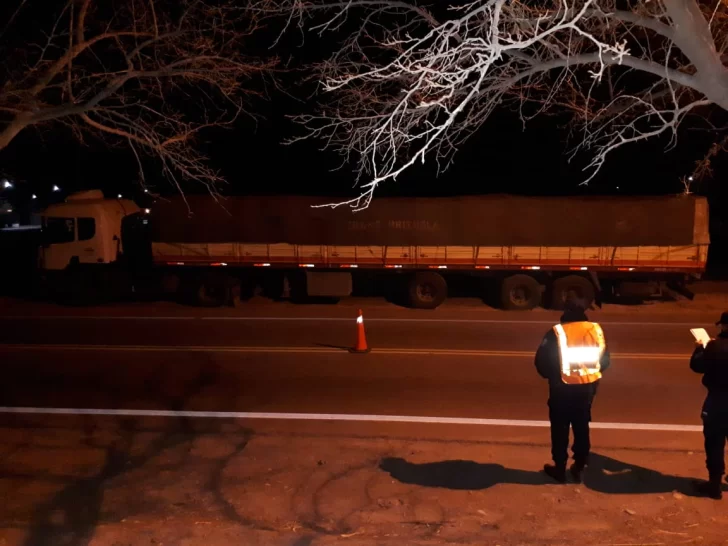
{"x":486,"y":221}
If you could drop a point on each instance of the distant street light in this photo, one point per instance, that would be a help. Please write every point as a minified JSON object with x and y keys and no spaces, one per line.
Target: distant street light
{"x":146,"y":190}
{"x":56,"y":188}
{"x":7,"y":184}
{"x":34,"y":196}
{"x":147,"y":211}
{"x":119,"y":196}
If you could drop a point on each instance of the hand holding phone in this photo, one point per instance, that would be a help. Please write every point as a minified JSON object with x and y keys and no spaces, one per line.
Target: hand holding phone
{"x":701,"y":336}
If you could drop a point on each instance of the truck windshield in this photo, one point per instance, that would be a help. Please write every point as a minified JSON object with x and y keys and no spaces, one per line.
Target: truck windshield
{"x":59,"y":230}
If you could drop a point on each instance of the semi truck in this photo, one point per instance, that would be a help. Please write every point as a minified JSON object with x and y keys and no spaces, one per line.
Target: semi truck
{"x":532,"y":251}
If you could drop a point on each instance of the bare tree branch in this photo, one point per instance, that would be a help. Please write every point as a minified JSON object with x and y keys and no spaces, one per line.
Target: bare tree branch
{"x":149,"y":74}
{"x":410,"y":84}
{"x":704,"y":166}
{"x":11,"y":20}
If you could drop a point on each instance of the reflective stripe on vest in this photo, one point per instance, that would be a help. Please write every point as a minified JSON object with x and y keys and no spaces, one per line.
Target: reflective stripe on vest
{"x":581,"y":346}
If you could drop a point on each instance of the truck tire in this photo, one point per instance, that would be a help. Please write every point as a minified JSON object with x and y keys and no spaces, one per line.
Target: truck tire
{"x":520,"y":293}
{"x":427,"y":290}
{"x":572,"y":286}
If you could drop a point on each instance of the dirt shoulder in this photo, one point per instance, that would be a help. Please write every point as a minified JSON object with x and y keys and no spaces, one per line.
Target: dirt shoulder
{"x":121,"y":485}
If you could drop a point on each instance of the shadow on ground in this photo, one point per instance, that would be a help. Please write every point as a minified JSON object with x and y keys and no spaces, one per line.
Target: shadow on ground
{"x":604,"y":475}
{"x":71,"y":516}
{"x":467,"y":475}
{"x":615,"y":477}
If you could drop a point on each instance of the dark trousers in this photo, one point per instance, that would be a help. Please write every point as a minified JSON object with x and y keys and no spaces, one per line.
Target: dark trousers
{"x":715,"y":432}
{"x":566,"y":414}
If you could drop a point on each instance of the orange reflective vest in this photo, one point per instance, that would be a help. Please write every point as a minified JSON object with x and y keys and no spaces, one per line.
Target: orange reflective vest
{"x":581,"y":346}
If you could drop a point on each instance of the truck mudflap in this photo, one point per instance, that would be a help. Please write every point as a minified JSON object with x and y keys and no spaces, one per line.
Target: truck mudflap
{"x":598,"y":289}
{"x":676,"y":289}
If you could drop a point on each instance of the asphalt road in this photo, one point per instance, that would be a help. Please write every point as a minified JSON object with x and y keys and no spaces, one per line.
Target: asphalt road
{"x":425,"y":367}
{"x":496,"y":332}
{"x":97,"y":472}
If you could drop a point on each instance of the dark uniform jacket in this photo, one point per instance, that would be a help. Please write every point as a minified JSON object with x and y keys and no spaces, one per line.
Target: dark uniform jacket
{"x":548,"y":365}
{"x":712,"y":362}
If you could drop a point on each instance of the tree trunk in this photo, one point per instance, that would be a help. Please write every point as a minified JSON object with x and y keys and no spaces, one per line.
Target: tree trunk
{"x":717,"y":88}
{"x":695,"y":40}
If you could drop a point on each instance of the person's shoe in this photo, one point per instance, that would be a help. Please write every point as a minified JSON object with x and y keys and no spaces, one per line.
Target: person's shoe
{"x":710,"y":489}
{"x":558,"y":473}
{"x":576,"y":472}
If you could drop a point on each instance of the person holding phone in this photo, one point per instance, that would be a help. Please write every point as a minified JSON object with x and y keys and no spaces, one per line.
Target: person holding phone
{"x":711,"y":361}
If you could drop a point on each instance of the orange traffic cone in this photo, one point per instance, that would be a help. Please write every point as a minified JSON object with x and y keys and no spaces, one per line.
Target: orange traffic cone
{"x":361,"y":338}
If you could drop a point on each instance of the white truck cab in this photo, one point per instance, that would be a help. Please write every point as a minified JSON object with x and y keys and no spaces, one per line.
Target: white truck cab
{"x":86,"y":229}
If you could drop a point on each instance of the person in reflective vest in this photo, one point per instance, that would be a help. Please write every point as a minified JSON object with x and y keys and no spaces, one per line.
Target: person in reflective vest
{"x":712,"y":363}
{"x":572,"y":356}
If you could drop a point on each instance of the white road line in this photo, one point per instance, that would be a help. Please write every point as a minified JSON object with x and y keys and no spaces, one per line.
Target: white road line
{"x":90,"y":317}
{"x":446,"y":321}
{"x":337,"y":417}
{"x":343,"y":319}
{"x":315,"y":350}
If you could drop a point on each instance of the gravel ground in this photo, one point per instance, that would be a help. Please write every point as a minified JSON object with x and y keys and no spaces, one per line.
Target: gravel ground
{"x":117,"y":486}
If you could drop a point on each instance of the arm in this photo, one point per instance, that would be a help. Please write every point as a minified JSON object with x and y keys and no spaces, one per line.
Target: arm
{"x":605,"y":361}
{"x":698,"y":362}
{"x":546,"y":356}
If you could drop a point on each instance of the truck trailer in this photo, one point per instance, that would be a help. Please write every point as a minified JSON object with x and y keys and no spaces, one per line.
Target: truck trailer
{"x":534,"y":250}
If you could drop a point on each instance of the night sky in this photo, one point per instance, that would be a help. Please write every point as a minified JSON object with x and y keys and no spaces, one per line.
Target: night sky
{"x":501,"y":158}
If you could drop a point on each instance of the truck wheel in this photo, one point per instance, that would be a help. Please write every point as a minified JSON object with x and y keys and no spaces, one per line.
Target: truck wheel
{"x":520,"y":293}
{"x":572,"y":286}
{"x":427,"y":290}
{"x":213,"y":291}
